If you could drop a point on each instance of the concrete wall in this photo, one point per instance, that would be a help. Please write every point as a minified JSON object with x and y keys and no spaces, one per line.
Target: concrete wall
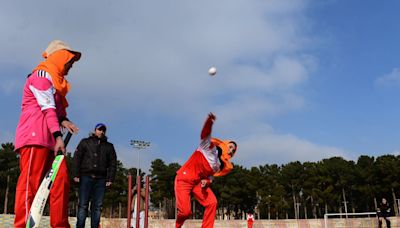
{"x":290,"y":223}
{"x":6,"y":221}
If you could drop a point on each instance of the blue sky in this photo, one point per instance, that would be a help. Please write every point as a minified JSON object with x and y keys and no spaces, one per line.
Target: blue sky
{"x":297,"y":80}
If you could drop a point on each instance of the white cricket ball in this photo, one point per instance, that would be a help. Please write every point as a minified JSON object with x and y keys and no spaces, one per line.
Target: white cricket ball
{"x":212,"y":71}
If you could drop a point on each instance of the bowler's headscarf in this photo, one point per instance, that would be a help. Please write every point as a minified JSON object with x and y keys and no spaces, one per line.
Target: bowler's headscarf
{"x":225,"y":157}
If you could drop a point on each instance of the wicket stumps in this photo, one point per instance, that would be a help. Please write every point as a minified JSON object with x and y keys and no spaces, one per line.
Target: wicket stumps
{"x":146,"y":203}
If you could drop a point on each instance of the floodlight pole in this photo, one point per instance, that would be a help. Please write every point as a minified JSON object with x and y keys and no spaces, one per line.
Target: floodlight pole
{"x":138,"y":144}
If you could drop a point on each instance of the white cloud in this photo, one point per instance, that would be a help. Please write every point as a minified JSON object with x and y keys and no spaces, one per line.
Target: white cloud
{"x":156,"y":55}
{"x":393,"y":152}
{"x":263,"y":147}
{"x":280,"y":149}
{"x":129,"y":156}
{"x":6,"y":136}
{"x":391,"y":79}
{"x":9,"y":86}
{"x":151,"y":58}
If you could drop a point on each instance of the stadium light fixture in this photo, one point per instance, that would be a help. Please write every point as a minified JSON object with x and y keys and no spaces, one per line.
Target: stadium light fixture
{"x":139,"y":145}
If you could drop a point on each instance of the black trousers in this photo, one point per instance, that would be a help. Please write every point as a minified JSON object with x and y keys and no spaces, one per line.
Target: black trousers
{"x":387,"y":221}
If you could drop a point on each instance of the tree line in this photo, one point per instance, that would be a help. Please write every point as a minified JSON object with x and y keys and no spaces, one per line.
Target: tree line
{"x":270,"y":191}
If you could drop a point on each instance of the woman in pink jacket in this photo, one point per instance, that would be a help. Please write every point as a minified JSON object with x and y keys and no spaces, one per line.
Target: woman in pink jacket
{"x":38,"y":136}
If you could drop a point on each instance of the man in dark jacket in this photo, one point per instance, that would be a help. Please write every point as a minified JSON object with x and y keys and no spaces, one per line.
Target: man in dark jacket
{"x":95,"y":166}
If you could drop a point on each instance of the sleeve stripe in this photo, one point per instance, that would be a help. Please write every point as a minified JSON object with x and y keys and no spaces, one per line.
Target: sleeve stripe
{"x":44,"y":74}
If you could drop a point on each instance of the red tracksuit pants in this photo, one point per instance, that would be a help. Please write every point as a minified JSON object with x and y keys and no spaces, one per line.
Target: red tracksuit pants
{"x":204,"y":196}
{"x":34,"y":162}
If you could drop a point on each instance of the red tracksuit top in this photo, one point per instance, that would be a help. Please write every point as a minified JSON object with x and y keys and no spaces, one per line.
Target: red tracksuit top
{"x":204,"y":161}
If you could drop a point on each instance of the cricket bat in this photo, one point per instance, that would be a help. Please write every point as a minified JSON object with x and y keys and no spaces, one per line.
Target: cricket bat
{"x":39,"y":202}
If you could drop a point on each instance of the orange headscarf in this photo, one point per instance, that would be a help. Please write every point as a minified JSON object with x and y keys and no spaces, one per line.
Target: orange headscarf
{"x":225,"y":157}
{"x":54,"y":65}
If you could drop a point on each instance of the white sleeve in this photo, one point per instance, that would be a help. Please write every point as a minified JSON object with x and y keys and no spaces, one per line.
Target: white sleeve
{"x":45,"y":98}
{"x":205,"y":144}
{"x":211,"y":154}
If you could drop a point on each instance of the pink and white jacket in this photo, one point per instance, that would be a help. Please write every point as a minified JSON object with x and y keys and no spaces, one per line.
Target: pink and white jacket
{"x":41,"y":112}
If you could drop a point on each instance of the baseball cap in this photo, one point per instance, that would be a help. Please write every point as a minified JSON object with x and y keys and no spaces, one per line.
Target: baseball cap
{"x":56,"y":45}
{"x":100,"y":126}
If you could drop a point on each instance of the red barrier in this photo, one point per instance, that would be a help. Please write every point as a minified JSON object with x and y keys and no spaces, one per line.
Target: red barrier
{"x":138,"y":191}
{"x":128,"y":212}
{"x":146,"y":204}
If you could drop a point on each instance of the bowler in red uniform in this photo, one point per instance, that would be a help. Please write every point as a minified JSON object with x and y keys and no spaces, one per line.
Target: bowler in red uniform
{"x":211,"y":158}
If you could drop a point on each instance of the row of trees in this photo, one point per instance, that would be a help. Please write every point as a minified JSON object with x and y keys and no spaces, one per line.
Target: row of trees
{"x":293,"y":190}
